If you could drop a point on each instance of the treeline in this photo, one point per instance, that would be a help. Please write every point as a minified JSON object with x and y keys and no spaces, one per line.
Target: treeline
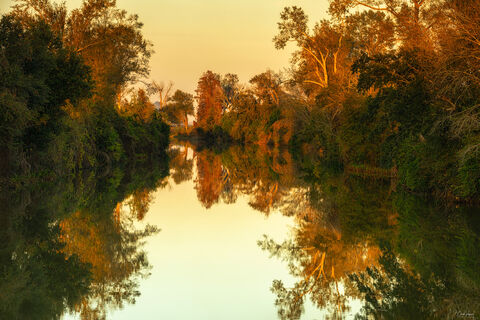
{"x":393,"y":85}
{"x":63,"y":90}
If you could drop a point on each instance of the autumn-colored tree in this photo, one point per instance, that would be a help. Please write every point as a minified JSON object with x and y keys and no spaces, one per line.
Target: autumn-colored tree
{"x":109,"y":39}
{"x":267,"y":87}
{"x":413,"y":18}
{"x":321,"y":66}
{"x":138,"y":107}
{"x":320,"y":50}
{"x":179,"y":107}
{"x":231,"y":90}
{"x":237,"y":122}
{"x":209,"y":97}
{"x":256,"y":113}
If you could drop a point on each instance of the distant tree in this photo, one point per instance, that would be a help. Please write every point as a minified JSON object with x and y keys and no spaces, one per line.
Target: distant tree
{"x":179,"y":107}
{"x":163,"y":91}
{"x":209,"y":97}
{"x":138,"y":107}
{"x":267,"y":87}
{"x":230,"y":88}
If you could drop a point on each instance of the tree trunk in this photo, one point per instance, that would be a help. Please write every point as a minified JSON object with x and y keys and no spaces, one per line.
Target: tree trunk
{"x":185,"y":122}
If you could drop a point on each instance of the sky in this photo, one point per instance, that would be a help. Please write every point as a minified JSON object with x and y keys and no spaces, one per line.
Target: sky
{"x":192,"y":36}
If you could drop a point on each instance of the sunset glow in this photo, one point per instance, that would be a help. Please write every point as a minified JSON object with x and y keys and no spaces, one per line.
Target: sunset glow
{"x":255,"y":159}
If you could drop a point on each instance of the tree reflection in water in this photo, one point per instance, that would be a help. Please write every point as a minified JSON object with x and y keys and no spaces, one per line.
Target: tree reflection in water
{"x":356,"y":240}
{"x":71,"y":245}
{"x":105,"y":237}
{"x":329,"y":243}
{"x":209,"y":181}
{"x":181,"y":165}
{"x":263,"y":176}
{"x":113,"y":249}
{"x":37,"y":280}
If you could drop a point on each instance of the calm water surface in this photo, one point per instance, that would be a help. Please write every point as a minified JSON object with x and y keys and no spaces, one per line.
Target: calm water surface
{"x":206,"y":263}
{"x":243,"y":233}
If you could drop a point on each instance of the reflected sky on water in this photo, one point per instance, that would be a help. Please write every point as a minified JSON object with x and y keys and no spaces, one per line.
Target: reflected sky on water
{"x":245,"y":233}
{"x":206,"y":263}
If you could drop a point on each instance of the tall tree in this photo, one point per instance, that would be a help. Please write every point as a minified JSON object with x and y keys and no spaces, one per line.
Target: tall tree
{"x":39,"y":76}
{"x":320,"y":49}
{"x":413,"y":18}
{"x":108,"y":38}
{"x":230,"y":89}
{"x":209,"y":97}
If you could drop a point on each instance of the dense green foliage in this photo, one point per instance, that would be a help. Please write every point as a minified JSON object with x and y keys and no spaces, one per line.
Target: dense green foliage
{"x":71,"y":155}
{"x":44,"y":127}
{"x":40,"y":76}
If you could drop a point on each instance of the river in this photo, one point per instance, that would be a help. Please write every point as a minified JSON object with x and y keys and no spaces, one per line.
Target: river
{"x":241,"y":233}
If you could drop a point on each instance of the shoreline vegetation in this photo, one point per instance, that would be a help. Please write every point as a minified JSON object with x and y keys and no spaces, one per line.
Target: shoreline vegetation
{"x":378,"y":106}
{"x":82,"y":149}
{"x":389,"y":89}
{"x":64,"y":92}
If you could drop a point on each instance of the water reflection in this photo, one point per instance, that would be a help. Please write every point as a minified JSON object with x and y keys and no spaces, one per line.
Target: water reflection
{"x":181,"y":165}
{"x":357,"y":240}
{"x":336,"y":234}
{"x":360,"y":246}
{"x":266,"y":176}
{"x":37,"y":279}
{"x":70,"y":245}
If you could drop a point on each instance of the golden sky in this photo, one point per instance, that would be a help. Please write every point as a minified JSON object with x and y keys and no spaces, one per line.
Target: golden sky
{"x":225,"y":36}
